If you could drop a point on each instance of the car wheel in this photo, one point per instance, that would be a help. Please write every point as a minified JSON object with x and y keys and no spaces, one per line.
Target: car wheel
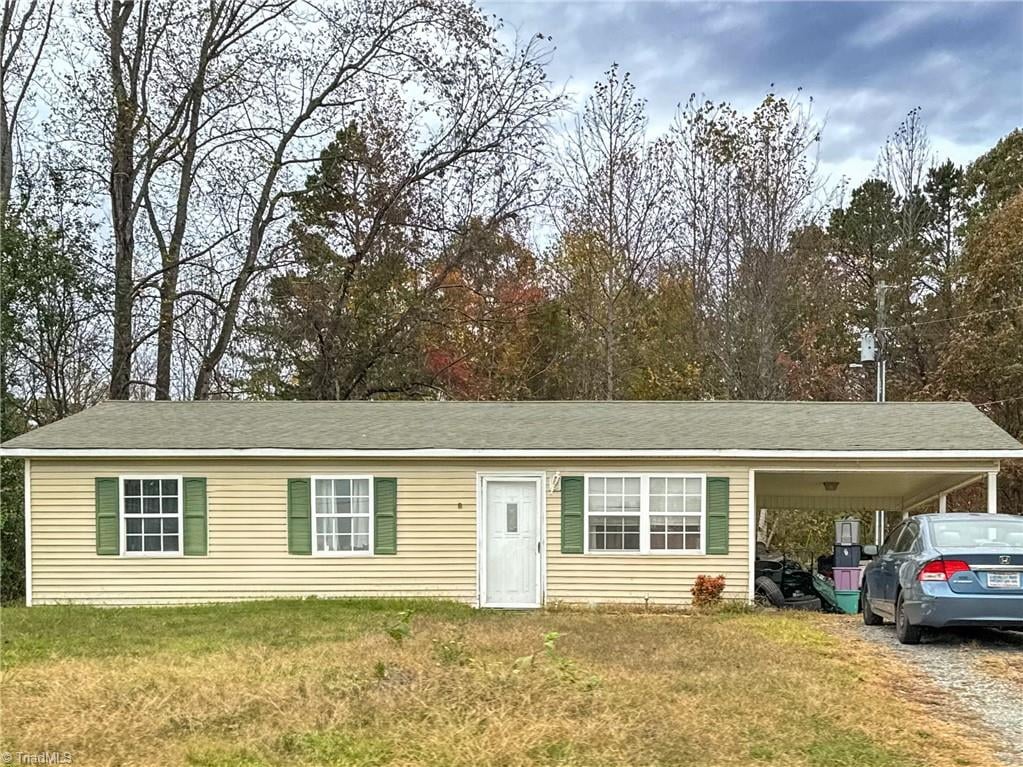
{"x":812,"y":604}
{"x":906,"y":632}
{"x":767,"y":592}
{"x":870,"y":618}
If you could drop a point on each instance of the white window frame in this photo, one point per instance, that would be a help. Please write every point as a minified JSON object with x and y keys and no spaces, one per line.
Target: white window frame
{"x":644,"y":514}
{"x":122,"y":523}
{"x":313,"y":516}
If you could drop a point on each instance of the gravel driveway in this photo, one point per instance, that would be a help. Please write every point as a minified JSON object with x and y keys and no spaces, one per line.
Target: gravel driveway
{"x":950,"y":660}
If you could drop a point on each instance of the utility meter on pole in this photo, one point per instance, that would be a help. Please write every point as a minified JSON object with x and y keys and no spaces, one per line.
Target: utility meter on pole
{"x":868,"y":346}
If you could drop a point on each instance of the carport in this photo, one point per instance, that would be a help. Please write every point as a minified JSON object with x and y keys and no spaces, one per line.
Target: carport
{"x":887,"y":491}
{"x":890,"y":489}
{"x":889,"y":460}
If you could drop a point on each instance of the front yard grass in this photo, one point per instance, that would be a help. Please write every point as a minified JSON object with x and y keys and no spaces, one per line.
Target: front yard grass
{"x":359,"y":682}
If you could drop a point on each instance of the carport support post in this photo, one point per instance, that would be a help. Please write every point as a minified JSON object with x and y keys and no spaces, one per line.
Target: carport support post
{"x":943,"y":503}
{"x":878,"y":527}
{"x":992,"y":492}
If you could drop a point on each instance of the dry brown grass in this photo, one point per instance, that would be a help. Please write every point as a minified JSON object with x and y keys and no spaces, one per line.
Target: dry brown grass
{"x":612,"y":689}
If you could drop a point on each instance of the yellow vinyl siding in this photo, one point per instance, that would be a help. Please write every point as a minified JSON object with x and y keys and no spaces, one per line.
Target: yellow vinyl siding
{"x":248,"y":555}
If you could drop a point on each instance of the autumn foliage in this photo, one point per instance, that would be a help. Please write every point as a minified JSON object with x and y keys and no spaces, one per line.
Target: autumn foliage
{"x":707,"y":590}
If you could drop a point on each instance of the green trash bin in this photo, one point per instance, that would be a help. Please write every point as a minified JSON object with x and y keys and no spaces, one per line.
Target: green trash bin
{"x":848,"y":601}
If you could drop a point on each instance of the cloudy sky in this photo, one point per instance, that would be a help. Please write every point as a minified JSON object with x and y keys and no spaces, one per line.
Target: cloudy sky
{"x":865,"y":64}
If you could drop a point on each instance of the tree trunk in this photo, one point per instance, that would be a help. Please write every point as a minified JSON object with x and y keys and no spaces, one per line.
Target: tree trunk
{"x":165,"y":332}
{"x":609,"y":350}
{"x":121,"y":207}
{"x":6,"y":161}
{"x":173,"y":252}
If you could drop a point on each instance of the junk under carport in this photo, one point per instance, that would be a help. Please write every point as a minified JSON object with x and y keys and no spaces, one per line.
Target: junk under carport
{"x":783,"y":582}
{"x":846,"y":571}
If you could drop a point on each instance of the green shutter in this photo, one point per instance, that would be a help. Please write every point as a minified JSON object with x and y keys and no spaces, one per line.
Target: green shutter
{"x":717,"y":515}
{"x":195,"y":516}
{"x":108,"y":536}
{"x":572,"y":515}
{"x":300,"y":536}
{"x":385,"y":515}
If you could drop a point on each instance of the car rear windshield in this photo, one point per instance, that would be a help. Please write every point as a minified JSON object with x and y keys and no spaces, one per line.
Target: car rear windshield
{"x":977,"y":533}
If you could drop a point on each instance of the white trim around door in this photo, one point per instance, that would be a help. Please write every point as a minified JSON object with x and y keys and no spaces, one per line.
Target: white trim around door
{"x":539,"y":479}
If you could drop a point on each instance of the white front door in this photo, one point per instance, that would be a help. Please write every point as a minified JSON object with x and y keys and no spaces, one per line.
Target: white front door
{"x":511,"y":543}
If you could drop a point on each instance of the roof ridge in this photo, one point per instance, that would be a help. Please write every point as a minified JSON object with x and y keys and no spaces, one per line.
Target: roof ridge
{"x":529,"y":402}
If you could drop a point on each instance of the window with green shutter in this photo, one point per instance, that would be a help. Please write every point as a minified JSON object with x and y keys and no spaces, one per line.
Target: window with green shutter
{"x":144,"y":515}
{"x":343,"y":515}
{"x":639,"y":513}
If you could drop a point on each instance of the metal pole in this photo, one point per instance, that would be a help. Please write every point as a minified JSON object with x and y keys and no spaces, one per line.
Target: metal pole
{"x":881,"y":346}
{"x":882,"y":382}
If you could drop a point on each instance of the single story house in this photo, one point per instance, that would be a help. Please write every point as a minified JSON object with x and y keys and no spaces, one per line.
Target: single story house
{"x":498,"y":504}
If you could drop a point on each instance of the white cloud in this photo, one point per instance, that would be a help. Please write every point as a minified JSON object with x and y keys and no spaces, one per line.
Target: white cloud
{"x":895,"y":23}
{"x":864,"y":64}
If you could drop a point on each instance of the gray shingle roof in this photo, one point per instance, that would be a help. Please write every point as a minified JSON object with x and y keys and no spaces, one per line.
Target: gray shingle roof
{"x":720,"y":425}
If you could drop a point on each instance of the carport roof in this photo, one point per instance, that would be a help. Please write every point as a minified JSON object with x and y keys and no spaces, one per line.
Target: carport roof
{"x":670,"y":428}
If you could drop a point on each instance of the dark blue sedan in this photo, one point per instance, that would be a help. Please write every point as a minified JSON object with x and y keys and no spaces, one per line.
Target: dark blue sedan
{"x":944,"y":570}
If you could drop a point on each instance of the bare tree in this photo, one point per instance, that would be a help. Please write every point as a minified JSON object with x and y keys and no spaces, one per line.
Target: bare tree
{"x":23,"y":37}
{"x":210,"y":118}
{"x":162,"y":77}
{"x":904,"y":162}
{"x":197,"y":130}
{"x":614,"y":212}
{"x":773,"y":192}
{"x":703,"y":189}
{"x":399,"y":212}
{"x":480,"y":104}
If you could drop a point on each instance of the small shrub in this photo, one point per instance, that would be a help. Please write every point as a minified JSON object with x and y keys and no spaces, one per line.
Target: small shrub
{"x":401,"y":629}
{"x":451,"y":652}
{"x":550,"y":642}
{"x":707,"y":590}
{"x":552,"y":660}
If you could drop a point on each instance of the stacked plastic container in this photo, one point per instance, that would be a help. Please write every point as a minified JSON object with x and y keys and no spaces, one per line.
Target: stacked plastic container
{"x":847,"y":570}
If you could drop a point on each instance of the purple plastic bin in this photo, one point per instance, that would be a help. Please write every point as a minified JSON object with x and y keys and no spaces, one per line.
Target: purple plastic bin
{"x":847,"y":578}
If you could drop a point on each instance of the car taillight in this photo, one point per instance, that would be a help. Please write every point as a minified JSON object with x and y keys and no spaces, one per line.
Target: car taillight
{"x":942,"y":569}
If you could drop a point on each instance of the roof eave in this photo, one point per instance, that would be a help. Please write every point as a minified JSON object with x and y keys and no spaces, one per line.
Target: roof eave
{"x":273,"y":452}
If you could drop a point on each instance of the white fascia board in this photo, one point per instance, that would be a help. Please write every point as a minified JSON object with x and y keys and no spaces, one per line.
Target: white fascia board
{"x":273,"y":452}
